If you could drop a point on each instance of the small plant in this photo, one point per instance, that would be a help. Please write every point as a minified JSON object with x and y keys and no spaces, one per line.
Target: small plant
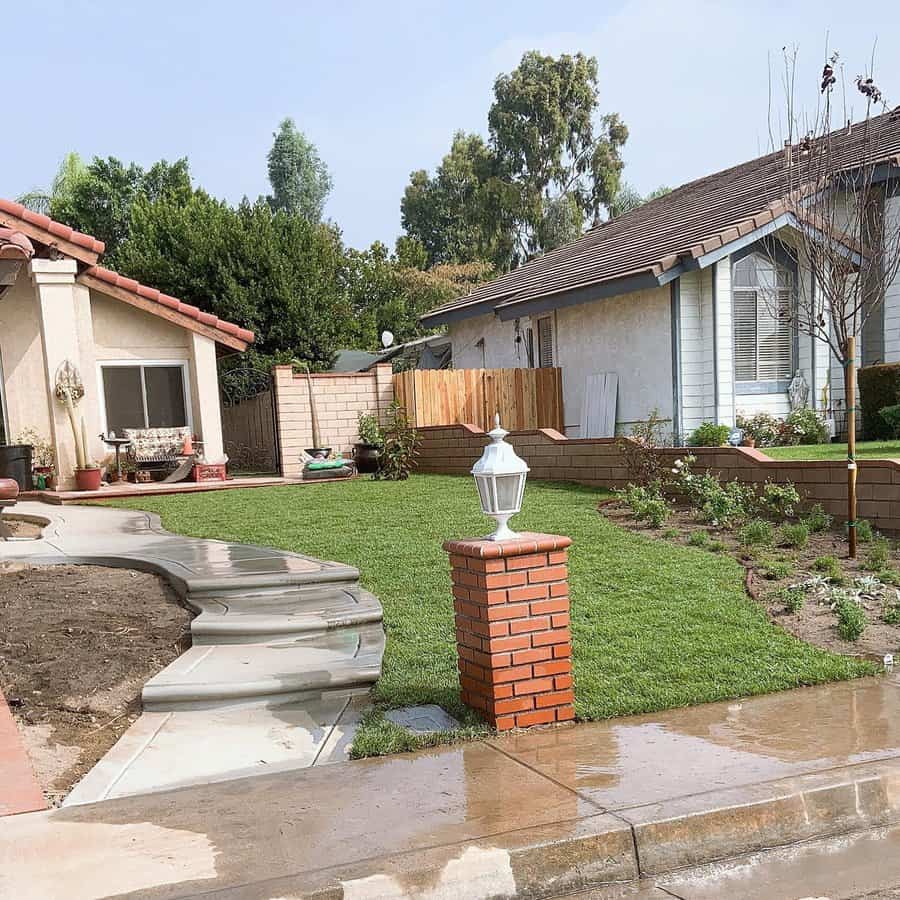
{"x":869,"y":585}
{"x":709,"y":435}
{"x":698,"y":538}
{"x":647,"y":503}
{"x":804,"y":426}
{"x":830,"y":568}
{"x":41,"y":449}
{"x":890,"y":615}
{"x":879,"y":554}
{"x":369,"y":430}
{"x":775,"y":569}
{"x":793,"y":598}
{"x":796,"y":536}
{"x":401,"y":446}
{"x":889,"y":576}
{"x":864,"y":531}
{"x":778,"y":500}
{"x":762,"y":427}
{"x":670,"y":534}
{"x":817,"y":520}
{"x":756,"y":533}
{"x":642,"y":463}
{"x":850,"y":616}
{"x":717,"y":546}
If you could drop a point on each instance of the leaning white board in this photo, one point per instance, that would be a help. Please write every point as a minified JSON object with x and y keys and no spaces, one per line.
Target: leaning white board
{"x":598,"y":411}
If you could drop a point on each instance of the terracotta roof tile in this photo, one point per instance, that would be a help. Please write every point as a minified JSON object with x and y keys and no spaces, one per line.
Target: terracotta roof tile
{"x":57,"y":229}
{"x":148,"y":293}
{"x":14,"y":245}
{"x":683,"y":224}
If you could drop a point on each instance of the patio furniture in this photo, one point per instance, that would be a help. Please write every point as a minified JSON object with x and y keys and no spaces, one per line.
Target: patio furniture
{"x":117,"y":444}
{"x":160,"y":448}
{"x":9,"y":493}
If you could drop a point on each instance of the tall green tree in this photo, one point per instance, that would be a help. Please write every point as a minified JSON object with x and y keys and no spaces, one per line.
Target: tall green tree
{"x":100,"y":199}
{"x":627,"y":198}
{"x":550,"y":165}
{"x":275,"y":273}
{"x":300,"y":179}
{"x":72,"y":170}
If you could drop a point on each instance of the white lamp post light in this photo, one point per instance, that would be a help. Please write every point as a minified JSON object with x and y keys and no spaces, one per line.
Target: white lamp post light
{"x":500,"y":476}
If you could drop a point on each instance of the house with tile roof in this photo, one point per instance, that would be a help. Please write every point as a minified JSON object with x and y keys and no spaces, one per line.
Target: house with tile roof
{"x":672,"y":298}
{"x":146,"y":360}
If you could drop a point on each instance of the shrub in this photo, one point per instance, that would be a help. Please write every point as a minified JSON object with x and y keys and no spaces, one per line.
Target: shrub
{"x":698,"y":538}
{"x":401,"y":446}
{"x":851,"y":618}
{"x":642,"y":463}
{"x":830,"y":568}
{"x":803,"y":426}
{"x":796,"y":536}
{"x":778,"y":500}
{"x":762,"y":427}
{"x":817,"y":520}
{"x":793,"y":598}
{"x":369,"y":430}
{"x":878,"y":555}
{"x":891,"y":417}
{"x":709,"y":435}
{"x":756,"y":533}
{"x":717,"y":546}
{"x":670,"y":534}
{"x":714,"y":502}
{"x":647,"y":503}
{"x":879,"y":386}
{"x":864,"y":531}
{"x":889,"y":576}
{"x":890,"y":615}
{"x":776,"y":569}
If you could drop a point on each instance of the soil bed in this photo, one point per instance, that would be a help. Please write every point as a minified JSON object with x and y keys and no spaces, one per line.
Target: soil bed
{"x":21,"y":528}
{"x":77,"y":644}
{"x":815,"y":622}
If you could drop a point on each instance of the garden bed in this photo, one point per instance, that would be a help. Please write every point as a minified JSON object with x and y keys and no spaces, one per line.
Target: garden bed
{"x":77,"y":644}
{"x":22,"y":529}
{"x":775,"y":570}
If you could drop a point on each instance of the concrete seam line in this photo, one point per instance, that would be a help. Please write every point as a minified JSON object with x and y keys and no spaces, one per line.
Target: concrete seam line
{"x":551,"y":779}
{"x":334,"y":725}
{"x":134,"y":756}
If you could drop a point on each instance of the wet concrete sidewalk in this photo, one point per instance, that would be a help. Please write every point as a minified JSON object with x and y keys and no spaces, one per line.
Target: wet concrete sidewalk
{"x":537,"y":814}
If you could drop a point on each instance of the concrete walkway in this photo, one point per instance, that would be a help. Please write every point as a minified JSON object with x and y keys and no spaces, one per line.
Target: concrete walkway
{"x":285,"y":647}
{"x":537,"y":814}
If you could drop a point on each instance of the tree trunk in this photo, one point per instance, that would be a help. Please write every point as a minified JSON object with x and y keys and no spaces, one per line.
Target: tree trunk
{"x":850,"y":405}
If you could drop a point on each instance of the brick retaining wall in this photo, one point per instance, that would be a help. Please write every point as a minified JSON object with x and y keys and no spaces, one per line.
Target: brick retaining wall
{"x":452,"y":449}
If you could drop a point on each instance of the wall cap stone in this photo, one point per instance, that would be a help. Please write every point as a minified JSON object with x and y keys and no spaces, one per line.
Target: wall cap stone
{"x":527,"y":542}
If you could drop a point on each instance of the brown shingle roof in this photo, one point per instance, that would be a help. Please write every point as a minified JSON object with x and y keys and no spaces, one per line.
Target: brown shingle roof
{"x":677,"y":228}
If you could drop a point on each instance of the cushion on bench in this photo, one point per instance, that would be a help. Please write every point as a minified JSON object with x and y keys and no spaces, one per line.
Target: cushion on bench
{"x":156,"y":444}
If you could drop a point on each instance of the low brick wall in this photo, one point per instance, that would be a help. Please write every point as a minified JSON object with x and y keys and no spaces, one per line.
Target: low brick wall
{"x":452,"y":449}
{"x":339,"y":397}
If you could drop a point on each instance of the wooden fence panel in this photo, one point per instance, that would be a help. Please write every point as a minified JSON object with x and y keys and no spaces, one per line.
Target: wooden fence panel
{"x":525,"y":398}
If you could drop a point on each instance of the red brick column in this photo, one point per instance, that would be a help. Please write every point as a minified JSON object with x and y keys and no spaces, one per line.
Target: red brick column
{"x":512,"y":628}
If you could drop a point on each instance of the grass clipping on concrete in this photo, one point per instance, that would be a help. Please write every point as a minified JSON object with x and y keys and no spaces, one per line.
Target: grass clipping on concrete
{"x":654,"y":625}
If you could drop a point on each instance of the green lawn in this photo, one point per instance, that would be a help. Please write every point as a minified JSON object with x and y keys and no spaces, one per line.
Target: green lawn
{"x":654,"y":625}
{"x":864,"y":450}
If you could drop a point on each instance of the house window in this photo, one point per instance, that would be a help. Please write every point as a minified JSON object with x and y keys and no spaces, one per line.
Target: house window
{"x":144,"y":395}
{"x":762,"y":296}
{"x":545,"y":342}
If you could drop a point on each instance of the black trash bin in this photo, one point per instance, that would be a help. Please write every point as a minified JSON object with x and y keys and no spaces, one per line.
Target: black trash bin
{"x":15,"y":463}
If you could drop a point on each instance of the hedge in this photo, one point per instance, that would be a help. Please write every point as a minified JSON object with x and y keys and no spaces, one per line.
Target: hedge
{"x":879,"y":386}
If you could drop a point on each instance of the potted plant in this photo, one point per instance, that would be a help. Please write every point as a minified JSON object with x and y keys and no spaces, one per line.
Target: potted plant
{"x":317,"y":451}
{"x":42,"y":456}
{"x":367,"y":450}
{"x":69,"y":391}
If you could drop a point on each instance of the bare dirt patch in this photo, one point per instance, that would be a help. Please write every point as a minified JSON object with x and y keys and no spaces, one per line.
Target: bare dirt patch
{"x":21,"y":528}
{"x":773,"y":568}
{"x":77,"y":644}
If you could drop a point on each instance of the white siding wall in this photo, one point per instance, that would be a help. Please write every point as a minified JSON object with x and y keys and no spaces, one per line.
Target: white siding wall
{"x":724,"y":344}
{"x":892,"y":296}
{"x":697,"y":377}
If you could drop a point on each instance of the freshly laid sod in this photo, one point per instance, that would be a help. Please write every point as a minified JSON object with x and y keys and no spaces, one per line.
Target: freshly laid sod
{"x":864,"y":450}
{"x":654,"y":625}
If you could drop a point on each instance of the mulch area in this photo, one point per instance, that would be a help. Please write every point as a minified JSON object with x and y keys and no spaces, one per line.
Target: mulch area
{"x":77,"y":644}
{"x":815,"y":623}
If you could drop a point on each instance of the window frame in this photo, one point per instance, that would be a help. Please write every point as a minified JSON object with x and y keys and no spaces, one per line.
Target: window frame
{"x":142,"y":364}
{"x":773,"y":251}
{"x":549,"y":321}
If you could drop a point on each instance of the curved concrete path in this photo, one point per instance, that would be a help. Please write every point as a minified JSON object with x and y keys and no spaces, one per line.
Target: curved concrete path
{"x":285,"y":647}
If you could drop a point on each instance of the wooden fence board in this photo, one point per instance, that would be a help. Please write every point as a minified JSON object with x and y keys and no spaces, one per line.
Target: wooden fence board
{"x":525,"y":398}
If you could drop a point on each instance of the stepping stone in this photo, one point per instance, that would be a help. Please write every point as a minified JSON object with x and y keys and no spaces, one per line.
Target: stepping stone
{"x":422,"y":719}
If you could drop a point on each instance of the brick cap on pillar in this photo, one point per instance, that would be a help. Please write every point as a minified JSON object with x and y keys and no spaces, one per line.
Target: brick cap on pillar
{"x":526,"y":542}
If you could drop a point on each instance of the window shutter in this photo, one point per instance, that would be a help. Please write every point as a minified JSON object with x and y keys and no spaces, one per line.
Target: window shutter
{"x":744,"y":312}
{"x":545,"y":343}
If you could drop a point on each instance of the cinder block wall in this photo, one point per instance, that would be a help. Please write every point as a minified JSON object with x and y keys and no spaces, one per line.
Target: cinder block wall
{"x":339,"y":398}
{"x":452,"y":449}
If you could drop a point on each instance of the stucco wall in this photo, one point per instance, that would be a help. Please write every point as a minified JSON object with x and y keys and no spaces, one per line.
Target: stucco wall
{"x":22,"y":358}
{"x":500,"y":348}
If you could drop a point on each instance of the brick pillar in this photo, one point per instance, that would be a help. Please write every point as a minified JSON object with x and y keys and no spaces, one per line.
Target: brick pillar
{"x":512,"y":628}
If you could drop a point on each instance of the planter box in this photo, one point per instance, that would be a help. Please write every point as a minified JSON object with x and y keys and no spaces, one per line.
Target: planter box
{"x":207,"y":472}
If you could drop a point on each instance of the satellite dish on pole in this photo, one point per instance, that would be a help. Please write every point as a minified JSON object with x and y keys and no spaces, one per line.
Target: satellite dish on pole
{"x":387,"y":338}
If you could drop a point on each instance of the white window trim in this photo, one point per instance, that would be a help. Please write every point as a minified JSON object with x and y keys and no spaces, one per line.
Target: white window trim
{"x":145,"y":363}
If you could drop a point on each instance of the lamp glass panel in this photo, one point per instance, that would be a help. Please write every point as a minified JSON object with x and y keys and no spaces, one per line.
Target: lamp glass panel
{"x":508,"y":492}
{"x":484,"y":493}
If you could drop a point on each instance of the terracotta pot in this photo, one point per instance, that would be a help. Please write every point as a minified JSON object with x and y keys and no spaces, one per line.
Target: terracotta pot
{"x":88,"y":479}
{"x":748,"y":442}
{"x":9,"y":489}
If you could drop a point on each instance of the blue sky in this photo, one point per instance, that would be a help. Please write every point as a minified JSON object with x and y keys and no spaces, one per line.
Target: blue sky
{"x":381,"y":87}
